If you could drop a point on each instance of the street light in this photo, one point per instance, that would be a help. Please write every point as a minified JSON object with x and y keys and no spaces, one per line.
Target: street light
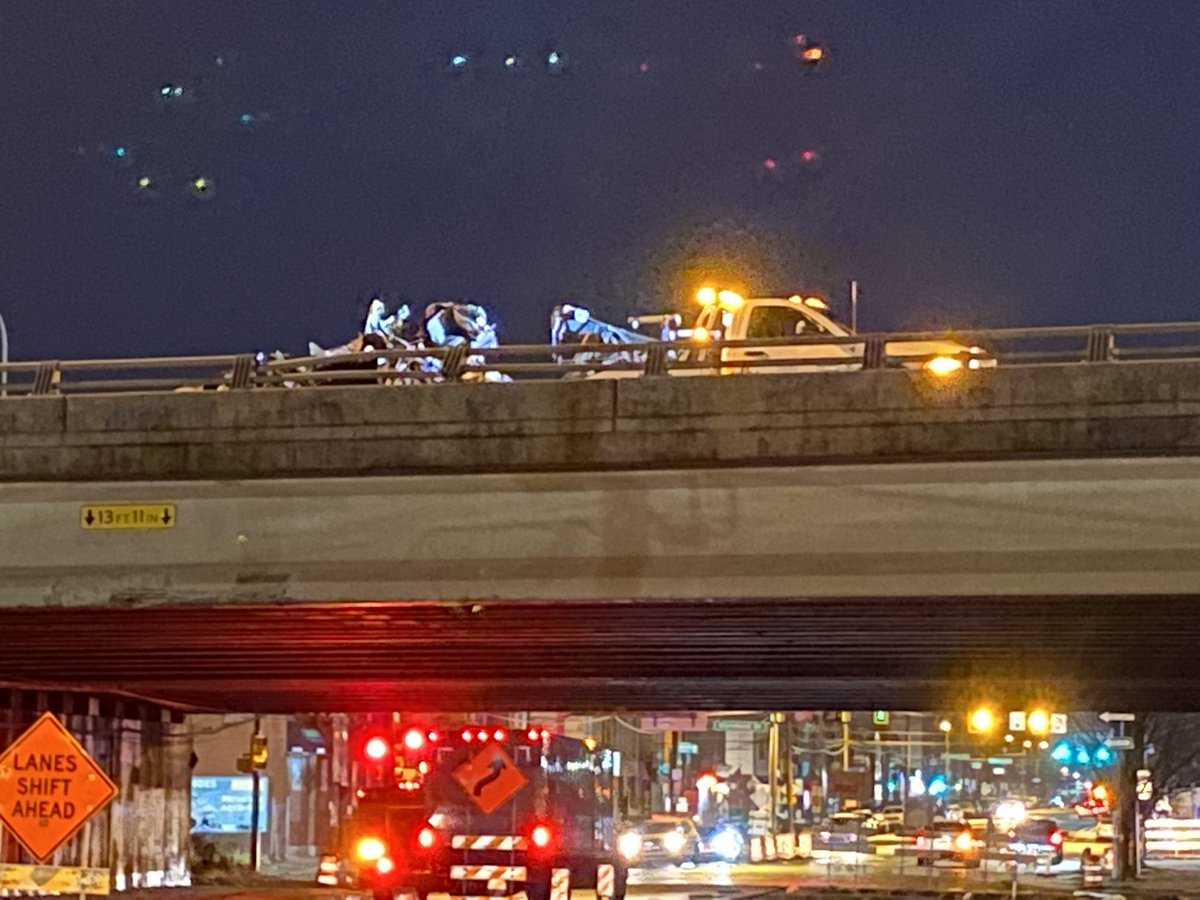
{"x":945,"y":728}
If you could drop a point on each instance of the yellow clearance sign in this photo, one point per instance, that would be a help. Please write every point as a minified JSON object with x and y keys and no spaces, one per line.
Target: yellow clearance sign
{"x":49,"y":786}
{"x":126,"y":516}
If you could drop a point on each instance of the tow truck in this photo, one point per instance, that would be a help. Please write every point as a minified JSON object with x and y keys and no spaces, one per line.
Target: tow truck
{"x":796,"y":333}
{"x":478,"y":810}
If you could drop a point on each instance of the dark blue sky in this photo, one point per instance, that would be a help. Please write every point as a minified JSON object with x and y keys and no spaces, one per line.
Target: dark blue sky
{"x":980,"y":162}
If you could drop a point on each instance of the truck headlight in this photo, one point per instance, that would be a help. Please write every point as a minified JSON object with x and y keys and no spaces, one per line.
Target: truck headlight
{"x":629,"y":845}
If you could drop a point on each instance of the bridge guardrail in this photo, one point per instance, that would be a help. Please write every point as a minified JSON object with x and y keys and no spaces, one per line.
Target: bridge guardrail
{"x":1084,"y":344}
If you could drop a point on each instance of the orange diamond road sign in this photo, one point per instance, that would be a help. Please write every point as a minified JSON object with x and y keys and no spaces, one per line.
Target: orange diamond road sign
{"x":49,"y":787}
{"x":490,"y":777}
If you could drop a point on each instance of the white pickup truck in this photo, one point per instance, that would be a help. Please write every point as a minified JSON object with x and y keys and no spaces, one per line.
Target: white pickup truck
{"x":727,"y":316}
{"x":799,"y":334}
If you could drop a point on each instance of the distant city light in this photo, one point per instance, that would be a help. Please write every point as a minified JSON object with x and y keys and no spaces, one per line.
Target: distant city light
{"x":120,"y":152}
{"x":459,"y":61}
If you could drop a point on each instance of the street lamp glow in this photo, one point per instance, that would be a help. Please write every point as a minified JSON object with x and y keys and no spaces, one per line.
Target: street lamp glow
{"x":1038,"y":722}
{"x":706,"y":296}
{"x":945,"y":726}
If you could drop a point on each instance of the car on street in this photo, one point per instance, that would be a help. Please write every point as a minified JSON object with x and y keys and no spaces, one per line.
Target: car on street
{"x":1037,"y":837}
{"x":661,"y":841}
{"x":949,"y":842}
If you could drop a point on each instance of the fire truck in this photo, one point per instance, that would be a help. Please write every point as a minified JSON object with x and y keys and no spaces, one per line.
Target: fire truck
{"x":477,"y":810}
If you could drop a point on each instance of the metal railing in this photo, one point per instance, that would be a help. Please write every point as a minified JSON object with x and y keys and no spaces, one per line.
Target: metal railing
{"x":1085,"y":344}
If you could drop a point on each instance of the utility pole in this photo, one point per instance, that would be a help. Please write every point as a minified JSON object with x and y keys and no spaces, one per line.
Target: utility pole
{"x":854,"y":306}
{"x":773,"y":771}
{"x":257,"y":751}
{"x":1126,"y":840}
{"x":789,"y":775}
{"x":845,"y":719}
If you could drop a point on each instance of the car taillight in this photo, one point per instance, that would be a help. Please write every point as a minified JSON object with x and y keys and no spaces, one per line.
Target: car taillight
{"x":1056,"y":838}
{"x":541,"y":836}
{"x":383,"y":865}
{"x":414,"y":739}
{"x":426,"y":838}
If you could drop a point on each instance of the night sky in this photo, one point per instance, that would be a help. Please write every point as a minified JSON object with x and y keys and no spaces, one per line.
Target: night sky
{"x":982,"y":163}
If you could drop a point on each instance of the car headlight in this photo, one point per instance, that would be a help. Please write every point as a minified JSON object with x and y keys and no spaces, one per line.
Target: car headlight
{"x":673,"y":842}
{"x":629,"y":845}
{"x":727,"y":844}
{"x":964,"y":843}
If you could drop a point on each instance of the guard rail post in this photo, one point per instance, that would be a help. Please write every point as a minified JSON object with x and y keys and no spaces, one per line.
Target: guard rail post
{"x":656,"y":360}
{"x":874,"y":353}
{"x":454,"y":362}
{"x":243,"y":372}
{"x":46,"y":378}
{"x":1101,"y":345}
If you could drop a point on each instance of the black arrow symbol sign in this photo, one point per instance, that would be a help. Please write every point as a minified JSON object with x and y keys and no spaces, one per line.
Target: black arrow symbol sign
{"x":166,"y":517}
{"x":498,"y":766}
{"x":89,"y":518}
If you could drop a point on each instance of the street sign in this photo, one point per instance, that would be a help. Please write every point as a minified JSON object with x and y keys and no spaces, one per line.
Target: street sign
{"x":881,"y":717}
{"x":1016,"y":721}
{"x":737,"y":725}
{"x":490,"y":778}
{"x":49,"y":787}
{"x":687,"y":748}
{"x":1058,"y":723}
{"x":1109,"y":717}
{"x":1119,"y":743}
{"x":126,"y":516}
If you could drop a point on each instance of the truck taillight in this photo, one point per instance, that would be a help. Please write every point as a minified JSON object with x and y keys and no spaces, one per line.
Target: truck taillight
{"x":427,"y":838}
{"x":1056,"y":838}
{"x":370,"y":849}
{"x":376,"y":749}
{"x":541,"y":836}
{"x":500,"y":735}
{"x":467,"y":735}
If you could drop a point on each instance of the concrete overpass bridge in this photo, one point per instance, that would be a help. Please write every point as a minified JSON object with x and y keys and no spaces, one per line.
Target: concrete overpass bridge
{"x":812,"y":540}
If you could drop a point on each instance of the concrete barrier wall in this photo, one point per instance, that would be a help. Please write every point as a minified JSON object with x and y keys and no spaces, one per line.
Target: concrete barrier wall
{"x":1061,"y":410}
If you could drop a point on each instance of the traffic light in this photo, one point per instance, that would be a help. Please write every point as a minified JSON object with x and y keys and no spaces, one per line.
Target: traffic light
{"x":981,"y":721}
{"x":258,"y":751}
{"x":1038,"y":722}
